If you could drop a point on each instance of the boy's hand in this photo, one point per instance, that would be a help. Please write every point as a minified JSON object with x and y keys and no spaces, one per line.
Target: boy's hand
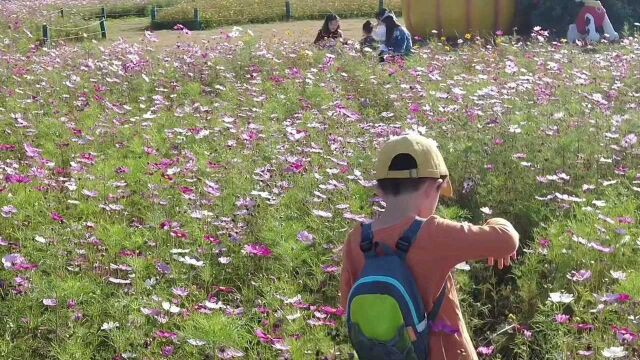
{"x":503,"y":262}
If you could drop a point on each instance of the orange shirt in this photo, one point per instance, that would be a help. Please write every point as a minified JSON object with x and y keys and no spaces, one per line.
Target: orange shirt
{"x":439,"y":247}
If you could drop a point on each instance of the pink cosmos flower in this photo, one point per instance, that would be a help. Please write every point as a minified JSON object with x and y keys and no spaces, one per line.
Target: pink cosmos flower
{"x":580,"y":276}
{"x":7,"y":147}
{"x":623,"y":298}
{"x":297,"y":166}
{"x":486,"y":352}
{"x":229,"y":353}
{"x":167,"y":351}
{"x":585,"y":327}
{"x":211,"y":239}
{"x":12,"y":179}
{"x":179,"y":234}
{"x":87,"y":158}
{"x":625,"y":220}
{"x":212,"y":188}
{"x":263,"y":337}
{"x":163,"y":268}
{"x":8,"y":211}
{"x":621,"y":170}
{"x":166,"y":335}
{"x":305,"y":238}
{"x":629,"y":140}
{"x":330,"y":269}
{"x":180,"y":292}
{"x":259,"y":250}
{"x":562,"y":318}
{"x":624,"y":335}
{"x":32,"y":151}
{"x":57,"y":217}
{"x":443,"y":327}
{"x":16,"y":262}
{"x":332,"y":311}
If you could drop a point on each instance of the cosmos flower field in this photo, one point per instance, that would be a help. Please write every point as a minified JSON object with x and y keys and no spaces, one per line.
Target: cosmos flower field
{"x":190,"y":202}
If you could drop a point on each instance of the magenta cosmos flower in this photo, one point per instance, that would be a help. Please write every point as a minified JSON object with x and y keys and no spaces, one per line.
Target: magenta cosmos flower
{"x":486,"y":352}
{"x":260,"y":250}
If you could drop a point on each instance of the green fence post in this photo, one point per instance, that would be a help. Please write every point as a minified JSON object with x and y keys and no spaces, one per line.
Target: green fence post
{"x":196,"y":18}
{"x":287,"y":10}
{"x":45,"y":35}
{"x":380,"y":5}
{"x":103,"y":12}
{"x":103,"y":28}
{"x":154,"y":13}
{"x":61,"y":13}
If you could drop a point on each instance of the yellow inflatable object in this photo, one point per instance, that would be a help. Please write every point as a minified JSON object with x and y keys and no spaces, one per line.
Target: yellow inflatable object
{"x":455,"y":18}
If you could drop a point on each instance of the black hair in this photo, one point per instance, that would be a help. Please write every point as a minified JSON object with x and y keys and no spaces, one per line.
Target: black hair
{"x":381,"y":13}
{"x":391,"y":25}
{"x":367,"y":27}
{"x":329,"y":18}
{"x":397,"y":187}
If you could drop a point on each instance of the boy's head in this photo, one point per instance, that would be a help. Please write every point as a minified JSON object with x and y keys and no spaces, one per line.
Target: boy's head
{"x":367,"y":28}
{"x":411,"y":166}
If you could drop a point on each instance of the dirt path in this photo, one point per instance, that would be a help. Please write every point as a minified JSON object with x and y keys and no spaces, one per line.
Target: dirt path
{"x":133,"y":30}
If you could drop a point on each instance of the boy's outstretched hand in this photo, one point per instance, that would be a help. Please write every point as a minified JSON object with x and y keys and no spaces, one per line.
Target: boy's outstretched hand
{"x":503,"y":262}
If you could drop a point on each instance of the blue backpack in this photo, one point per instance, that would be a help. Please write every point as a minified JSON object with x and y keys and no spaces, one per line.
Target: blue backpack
{"x":386,"y":318}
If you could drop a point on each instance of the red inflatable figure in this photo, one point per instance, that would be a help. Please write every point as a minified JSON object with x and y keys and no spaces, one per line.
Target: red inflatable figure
{"x":591,"y":24}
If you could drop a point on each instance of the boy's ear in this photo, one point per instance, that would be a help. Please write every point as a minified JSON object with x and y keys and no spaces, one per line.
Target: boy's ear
{"x":437,"y":183}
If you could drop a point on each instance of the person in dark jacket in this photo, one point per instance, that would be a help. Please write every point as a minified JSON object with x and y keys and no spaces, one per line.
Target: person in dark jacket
{"x":395,"y":38}
{"x":330,"y":31}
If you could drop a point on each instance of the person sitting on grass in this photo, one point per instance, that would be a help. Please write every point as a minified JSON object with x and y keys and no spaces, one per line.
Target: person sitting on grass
{"x":367,"y":42}
{"x":395,"y":38}
{"x":396,"y":283}
{"x":330,"y":32}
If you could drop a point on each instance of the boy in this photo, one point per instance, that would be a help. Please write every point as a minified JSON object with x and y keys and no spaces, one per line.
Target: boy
{"x":367,"y":42}
{"x":411,"y":175}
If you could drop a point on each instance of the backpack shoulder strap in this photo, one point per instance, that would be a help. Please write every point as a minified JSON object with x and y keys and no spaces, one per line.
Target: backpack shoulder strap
{"x":433,"y":314}
{"x":366,"y":238}
{"x":406,"y":240}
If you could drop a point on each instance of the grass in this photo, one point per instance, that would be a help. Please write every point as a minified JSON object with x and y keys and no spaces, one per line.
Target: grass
{"x":155,"y":152}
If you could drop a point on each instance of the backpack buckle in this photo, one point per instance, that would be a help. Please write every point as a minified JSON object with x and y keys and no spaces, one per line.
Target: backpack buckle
{"x":403,"y":245}
{"x":366,"y":246}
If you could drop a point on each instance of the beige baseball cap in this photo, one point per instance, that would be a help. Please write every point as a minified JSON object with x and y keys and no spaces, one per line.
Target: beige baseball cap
{"x":424,"y":151}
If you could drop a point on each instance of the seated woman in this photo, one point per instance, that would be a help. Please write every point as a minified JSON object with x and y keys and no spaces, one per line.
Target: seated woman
{"x":330,"y":32}
{"x":395,"y":38}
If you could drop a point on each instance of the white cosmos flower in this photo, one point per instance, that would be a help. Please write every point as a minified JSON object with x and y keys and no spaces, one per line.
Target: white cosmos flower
{"x":614,"y":352}
{"x":561,"y":297}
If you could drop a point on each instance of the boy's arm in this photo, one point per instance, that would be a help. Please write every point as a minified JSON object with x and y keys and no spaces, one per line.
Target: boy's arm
{"x":464,"y":242}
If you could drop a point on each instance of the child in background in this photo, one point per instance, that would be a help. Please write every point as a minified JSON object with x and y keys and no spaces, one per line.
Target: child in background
{"x":367,"y":42}
{"x":330,"y":31}
{"x":411,"y":175}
